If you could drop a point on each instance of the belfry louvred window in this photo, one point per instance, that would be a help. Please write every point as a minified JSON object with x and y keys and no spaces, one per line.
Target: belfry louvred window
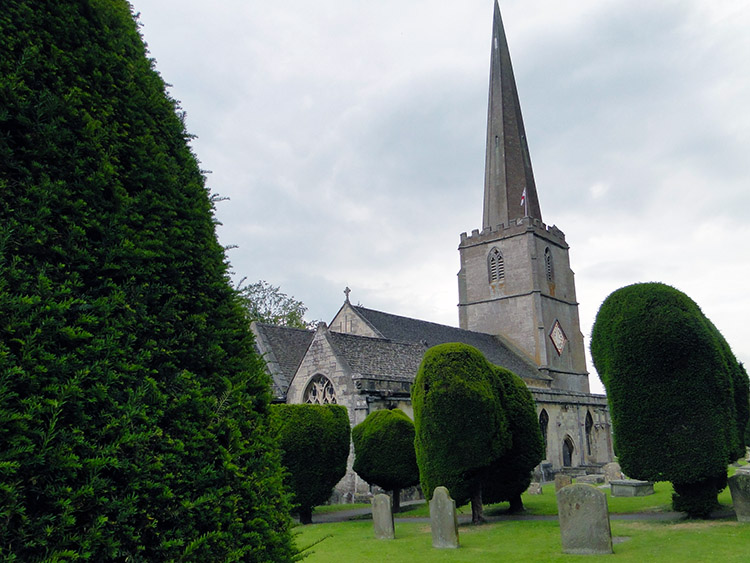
{"x":496,"y":266}
{"x":548,"y":265}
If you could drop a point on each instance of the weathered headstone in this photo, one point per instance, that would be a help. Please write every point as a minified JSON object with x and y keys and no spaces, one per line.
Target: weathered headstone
{"x":739,"y":486}
{"x":382,"y":517}
{"x":534,"y":489}
{"x":443,"y":519}
{"x":584,"y":520}
{"x":562,"y":480}
{"x":612,"y":471}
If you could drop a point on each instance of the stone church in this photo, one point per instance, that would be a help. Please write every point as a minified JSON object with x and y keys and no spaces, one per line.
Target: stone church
{"x":517,"y":305}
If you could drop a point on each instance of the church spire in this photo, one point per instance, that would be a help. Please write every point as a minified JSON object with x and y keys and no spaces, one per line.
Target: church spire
{"x":509,"y":189}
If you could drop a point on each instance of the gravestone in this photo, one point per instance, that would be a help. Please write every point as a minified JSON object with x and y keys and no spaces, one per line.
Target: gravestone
{"x":612,"y":471}
{"x":584,"y":520}
{"x":739,"y":486}
{"x":382,"y":517}
{"x":534,"y":489}
{"x":443,"y":519}
{"x":562,"y":480}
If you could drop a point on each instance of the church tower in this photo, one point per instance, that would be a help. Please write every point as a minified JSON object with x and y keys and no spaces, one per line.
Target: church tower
{"x":515,"y":278}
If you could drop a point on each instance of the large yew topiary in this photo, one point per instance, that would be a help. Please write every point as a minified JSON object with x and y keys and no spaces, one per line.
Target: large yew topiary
{"x":133,"y":411}
{"x":461,"y":426}
{"x":676,"y":393}
{"x":314,"y":442}
{"x":384,"y":451}
{"x":510,"y":475}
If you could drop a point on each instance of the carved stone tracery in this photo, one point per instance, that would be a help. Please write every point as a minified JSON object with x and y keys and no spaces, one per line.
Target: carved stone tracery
{"x":320,"y":391}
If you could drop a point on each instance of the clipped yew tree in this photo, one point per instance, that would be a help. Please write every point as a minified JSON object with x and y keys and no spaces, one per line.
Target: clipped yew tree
{"x":460,"y":424}
{"x":134,"y":414}
{"x":314,"y":442}
{"x":510,"y":475}
{"x":384,"y":452}
{"x":677,"y":396}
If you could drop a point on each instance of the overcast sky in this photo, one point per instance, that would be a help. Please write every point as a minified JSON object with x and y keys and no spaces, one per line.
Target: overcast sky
{"x":349,"y":136}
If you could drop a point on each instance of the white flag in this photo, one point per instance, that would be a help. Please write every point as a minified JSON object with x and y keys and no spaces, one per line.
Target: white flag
{"x":523,"y":197}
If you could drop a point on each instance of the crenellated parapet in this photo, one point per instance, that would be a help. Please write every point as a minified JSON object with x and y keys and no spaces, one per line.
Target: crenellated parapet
{"x":514,"y":228}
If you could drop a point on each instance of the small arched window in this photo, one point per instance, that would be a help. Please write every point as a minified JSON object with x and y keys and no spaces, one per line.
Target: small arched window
{"x":543,"y":424}
{"x":320,"y":391}
{"x":496,"y":266}
{"x":589,"y":428}
{"x":550,"y":272}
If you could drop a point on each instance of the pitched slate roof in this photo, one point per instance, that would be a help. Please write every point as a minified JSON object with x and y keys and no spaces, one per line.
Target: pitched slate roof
{"x":377,"y":358}
{"x":283,"y":349}
{"x":495,"y":349}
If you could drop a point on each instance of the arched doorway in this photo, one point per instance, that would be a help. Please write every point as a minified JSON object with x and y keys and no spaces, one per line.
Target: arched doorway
{"x":567,"y":452}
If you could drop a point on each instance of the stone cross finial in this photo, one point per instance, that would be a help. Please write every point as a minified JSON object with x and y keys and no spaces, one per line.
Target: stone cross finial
{"x":347,"y":291}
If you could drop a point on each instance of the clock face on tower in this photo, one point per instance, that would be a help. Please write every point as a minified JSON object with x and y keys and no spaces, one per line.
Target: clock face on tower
{"x":557,"y":335}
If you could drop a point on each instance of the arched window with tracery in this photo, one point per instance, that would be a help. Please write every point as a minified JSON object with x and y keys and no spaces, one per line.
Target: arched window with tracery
{"x":543,"y":424}
{"x":589,"y":429}
{"x":496,"y":266}
{"x":320,"y":391}
{"x":549,"y":270}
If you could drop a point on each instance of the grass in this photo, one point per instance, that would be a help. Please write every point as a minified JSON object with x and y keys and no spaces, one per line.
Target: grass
{"x":328,"y":508}
{"x":545,"y":504}
{"x":533,"y":540}
{"x":640,"y":541}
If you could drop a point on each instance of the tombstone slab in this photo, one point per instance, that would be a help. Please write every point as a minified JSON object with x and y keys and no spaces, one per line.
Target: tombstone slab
{"x":584,"y":520}
{"x":562,"y":480}
{"x":534,"y":489}
{"x":612,"y":472}
{"x":382,"y":517}
{"x":739,"y":487}
{"x":443,"y":519}
{"x":595,"y":479}
{"x":631,"y":488}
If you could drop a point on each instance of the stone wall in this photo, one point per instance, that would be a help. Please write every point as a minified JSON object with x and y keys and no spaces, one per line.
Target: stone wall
{"x":567,"y":414}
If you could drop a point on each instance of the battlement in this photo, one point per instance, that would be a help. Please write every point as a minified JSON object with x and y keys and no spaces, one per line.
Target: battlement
{"x":515,"y":227}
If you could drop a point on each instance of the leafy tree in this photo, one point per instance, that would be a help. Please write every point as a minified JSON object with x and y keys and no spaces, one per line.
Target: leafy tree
{"x":677,"y":396}
{"x":510,"y":475}
{"x":384,"y":452}
{"x":461,"y":426}
{"x":314,"y":442}
{"x":133,"y":410}
{"x":266,"y":303}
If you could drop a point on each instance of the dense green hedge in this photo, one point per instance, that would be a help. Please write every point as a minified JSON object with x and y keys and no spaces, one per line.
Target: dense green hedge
{"x":677,"y":396}
{"x":510,"y":475}
{"x":133,"y":411}
{"x":314,"y":442}
{"x":461,"y":426}
{"x":384,"y":451}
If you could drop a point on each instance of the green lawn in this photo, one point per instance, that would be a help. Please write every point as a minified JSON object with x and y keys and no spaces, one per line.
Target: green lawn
{"x":531,"y":540}
{"x":641,"y":541}
{"x":545,"y":504}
